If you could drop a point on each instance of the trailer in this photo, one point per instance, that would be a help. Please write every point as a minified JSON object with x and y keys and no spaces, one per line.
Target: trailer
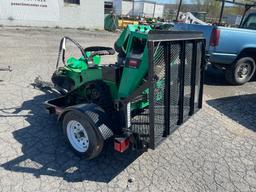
{"x":155,"y":86}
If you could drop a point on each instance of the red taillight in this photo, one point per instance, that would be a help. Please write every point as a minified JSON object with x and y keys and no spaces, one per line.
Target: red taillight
{"x":215,"y":37}
{"x":121,"y":144}
{"x":133,"y":63}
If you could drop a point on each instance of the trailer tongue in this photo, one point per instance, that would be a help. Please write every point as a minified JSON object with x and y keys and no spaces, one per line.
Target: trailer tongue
{"x":155,"y":86}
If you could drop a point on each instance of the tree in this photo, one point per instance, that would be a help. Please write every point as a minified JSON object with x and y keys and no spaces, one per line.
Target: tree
{"x":210,"y":6}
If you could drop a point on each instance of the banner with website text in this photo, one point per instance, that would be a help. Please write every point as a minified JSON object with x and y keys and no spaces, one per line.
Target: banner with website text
{"x":38,"y":10}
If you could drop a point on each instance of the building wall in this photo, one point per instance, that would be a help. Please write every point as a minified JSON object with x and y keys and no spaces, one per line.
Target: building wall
{"x":148,"y":10}
{"x":117,"y":7}
{"x":159,"y":11}
{"x":139,"y":8}
{"x":127,"y":8}
{"x":89,"y":14}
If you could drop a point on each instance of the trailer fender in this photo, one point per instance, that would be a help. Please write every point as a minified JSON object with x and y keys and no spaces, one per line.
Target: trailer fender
{"x":95,"y":115}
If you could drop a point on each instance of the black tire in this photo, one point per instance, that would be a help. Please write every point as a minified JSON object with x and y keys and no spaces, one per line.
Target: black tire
{"x":241,"y":72}
{"x":95,"y":139}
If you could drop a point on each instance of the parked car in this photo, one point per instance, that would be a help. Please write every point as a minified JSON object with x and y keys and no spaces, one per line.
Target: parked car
{"x":230,"y":49}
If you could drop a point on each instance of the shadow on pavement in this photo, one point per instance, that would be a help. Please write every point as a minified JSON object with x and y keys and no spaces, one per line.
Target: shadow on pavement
{"x":215,"y":77}
{"x":45,"y":151}
{"x":241,"y":109}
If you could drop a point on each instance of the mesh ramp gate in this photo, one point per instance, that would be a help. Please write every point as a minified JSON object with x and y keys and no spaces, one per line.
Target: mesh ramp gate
{"x":176,"y":70}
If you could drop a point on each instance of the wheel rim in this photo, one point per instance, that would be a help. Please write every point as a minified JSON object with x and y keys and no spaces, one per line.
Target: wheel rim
{"x":244,"y":70}
{"x":77,"y":136}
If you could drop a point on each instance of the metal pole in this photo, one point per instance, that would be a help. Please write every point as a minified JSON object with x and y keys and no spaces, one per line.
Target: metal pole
{"x":154,"y":10}
{"x":133,"y":8}
{"x":151,"y":95}
{"x":221,"y":12}
{"x":177,"y":16}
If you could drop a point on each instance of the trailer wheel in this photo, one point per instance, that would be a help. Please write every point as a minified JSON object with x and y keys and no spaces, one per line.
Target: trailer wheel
{"x":241,"y":72}
{"x":80,"y":132}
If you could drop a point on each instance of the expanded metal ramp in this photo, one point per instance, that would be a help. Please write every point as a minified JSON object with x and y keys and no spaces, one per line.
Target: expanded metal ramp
{"x":176,"y":61}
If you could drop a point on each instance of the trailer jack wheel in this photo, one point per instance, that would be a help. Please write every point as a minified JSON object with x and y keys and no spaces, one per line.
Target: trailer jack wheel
{"x":82,"y":135}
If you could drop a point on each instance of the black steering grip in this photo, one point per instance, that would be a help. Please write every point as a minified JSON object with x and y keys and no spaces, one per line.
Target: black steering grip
{"x":100,"y":51}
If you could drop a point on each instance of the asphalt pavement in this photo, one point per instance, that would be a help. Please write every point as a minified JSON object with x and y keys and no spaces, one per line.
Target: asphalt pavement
{"x":214,"y":151}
